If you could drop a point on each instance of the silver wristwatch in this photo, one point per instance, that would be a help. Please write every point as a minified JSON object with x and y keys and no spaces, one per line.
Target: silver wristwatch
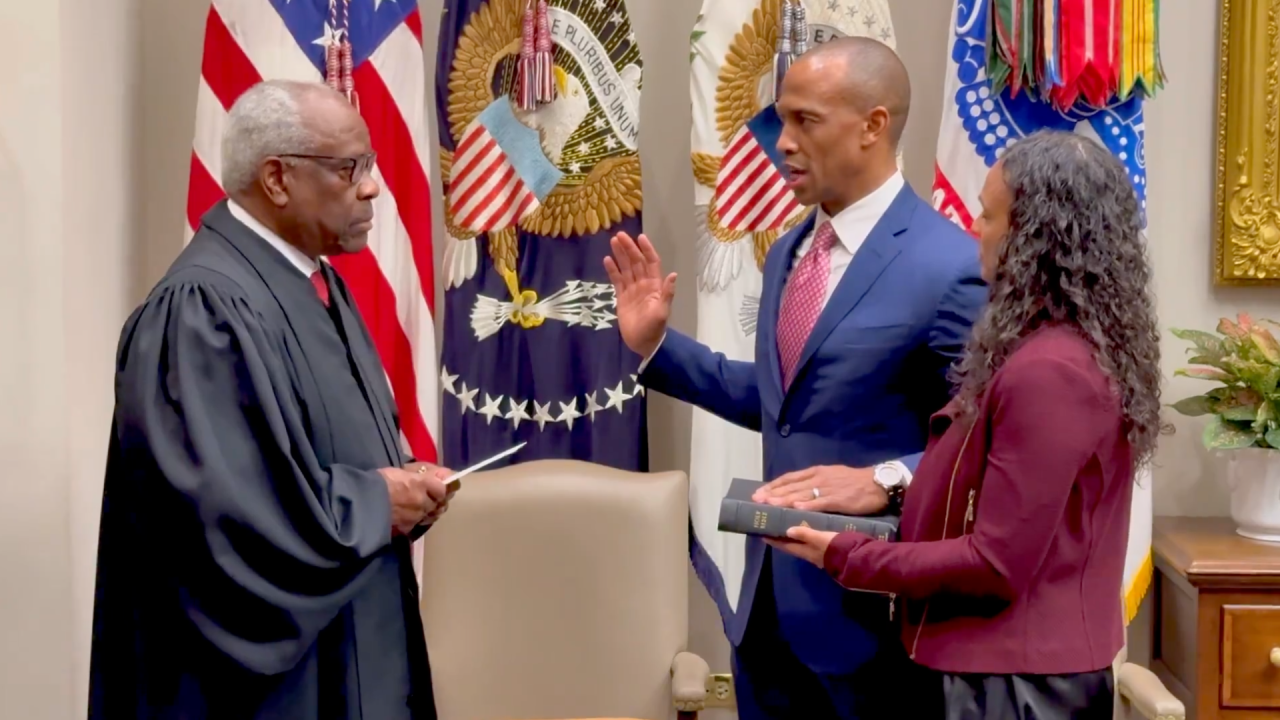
{"x":890,"y":477}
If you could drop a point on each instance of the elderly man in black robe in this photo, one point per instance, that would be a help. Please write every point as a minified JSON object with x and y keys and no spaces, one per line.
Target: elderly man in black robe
{"x":254,"y":557}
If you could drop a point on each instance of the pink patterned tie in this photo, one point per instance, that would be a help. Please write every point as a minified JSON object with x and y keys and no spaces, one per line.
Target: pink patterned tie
{"x":802,"y":300}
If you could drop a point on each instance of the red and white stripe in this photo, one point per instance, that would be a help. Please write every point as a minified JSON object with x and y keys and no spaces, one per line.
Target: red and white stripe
{"x":393,"y":279}
{"x":959,"y":171}
{"x":485,"y":191}
{"x":751,"y":194}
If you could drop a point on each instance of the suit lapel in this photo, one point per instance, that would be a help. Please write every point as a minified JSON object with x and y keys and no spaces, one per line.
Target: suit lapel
{"x":771,"y":295}
{"x":879,"y":249}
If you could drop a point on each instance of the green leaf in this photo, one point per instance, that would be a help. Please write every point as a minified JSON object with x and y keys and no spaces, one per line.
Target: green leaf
{"x":694,"y":37}
{"x":1205,"y":343}
{"x":1195,"y":405}
{"x":1210,"y":360}
{"x":1265,"y":418}
{"x":1272,"y":437}
{"x":1231,"y":330}
{"x":1204,"y":373}
{"x":1221,"y":393}
{"x":1224,"y":435}
{"x":1240,"y":413}
{"x":1266,"y":344}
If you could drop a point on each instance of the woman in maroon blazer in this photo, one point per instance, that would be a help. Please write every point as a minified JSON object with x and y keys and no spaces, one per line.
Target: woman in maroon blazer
{"x":1014,"y":527}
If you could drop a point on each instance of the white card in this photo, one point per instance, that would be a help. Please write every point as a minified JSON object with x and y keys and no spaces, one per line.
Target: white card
{"x":455,"y":480}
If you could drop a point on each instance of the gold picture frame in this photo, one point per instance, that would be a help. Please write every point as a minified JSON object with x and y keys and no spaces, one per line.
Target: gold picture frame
{"x":1247,"y":186}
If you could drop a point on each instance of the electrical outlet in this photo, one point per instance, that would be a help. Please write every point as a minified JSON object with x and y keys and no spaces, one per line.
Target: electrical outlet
{"x":720,"y":691}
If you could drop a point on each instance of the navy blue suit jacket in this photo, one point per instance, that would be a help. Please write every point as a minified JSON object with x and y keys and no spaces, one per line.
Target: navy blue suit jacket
{"x":873,"y":371}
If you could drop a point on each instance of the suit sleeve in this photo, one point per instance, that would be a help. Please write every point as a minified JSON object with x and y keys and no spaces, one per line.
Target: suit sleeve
{"x":958,"y":310}
{"x":1047,"y":422}
{"x":687,"y":370}
{"x":273,"y":543}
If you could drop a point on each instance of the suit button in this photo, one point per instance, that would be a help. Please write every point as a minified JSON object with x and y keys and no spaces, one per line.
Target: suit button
{"x":785,"y":430}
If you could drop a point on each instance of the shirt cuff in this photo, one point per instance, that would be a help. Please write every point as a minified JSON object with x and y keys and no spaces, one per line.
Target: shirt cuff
{"x":645,"y":363}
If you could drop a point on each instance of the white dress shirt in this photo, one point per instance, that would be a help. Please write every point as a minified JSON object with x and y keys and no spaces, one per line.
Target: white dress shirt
{"x":296,"y":257}
{"x":852,"y":226}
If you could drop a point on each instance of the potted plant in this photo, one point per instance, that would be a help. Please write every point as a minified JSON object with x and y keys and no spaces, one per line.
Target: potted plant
{"x":1243,"y":358}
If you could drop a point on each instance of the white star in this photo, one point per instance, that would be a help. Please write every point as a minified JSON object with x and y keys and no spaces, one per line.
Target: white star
{"x":631,"y":37}
{"x":593,"y":407}
{"x":638,"y":392}
{"x":610,"y":143}
{"x":467,"y":398}
{"x":599,"y":123}
{"x":490,"y":409}
{"x":330,"y":37}
{"x":600,"y":5}
{"x":446,"y":380}
{"x":516,"y":411}
{"x":616,"y":398}
{"x":542,"y":414}
{"x":575,"y":167}
{"x":584,"y":148}
{"x":616,"y":18}
{"x":569,"y":413}
{"x":378,"y":3}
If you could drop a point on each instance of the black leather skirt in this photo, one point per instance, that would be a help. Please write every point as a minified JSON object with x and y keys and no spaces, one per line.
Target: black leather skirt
{"x":1082,"y":696}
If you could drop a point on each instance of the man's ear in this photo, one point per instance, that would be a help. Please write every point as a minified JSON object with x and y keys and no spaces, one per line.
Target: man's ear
{"x":271,"y":175}
{"x":877,"y":125}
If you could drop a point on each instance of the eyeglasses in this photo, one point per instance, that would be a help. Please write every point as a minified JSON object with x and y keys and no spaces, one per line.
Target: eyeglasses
{"x":352,"y":169}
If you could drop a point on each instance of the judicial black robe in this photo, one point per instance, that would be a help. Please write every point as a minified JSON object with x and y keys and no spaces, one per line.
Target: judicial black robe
{"x":246,"y":567}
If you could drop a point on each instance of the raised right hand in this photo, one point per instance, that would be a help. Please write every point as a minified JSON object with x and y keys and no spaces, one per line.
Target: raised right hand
{"x":414,"y":496}
{"x":643,"y":295}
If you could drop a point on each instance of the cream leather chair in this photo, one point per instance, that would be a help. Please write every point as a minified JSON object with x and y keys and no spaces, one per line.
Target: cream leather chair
{"x":1140,"y":695}
{"x":560,"y":589}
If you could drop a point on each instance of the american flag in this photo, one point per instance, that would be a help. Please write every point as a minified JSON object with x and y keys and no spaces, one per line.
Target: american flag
{"x":751,"y":191}
{"x":487,"y":187}
{"x":392,"y":280}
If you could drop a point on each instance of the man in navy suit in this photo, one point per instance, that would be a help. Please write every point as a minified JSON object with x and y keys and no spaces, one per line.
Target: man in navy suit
{"x":865,"y":306}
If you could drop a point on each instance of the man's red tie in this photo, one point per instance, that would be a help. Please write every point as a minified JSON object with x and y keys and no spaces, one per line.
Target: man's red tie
{"x":803,"y":299}
{"x":322,"y":287}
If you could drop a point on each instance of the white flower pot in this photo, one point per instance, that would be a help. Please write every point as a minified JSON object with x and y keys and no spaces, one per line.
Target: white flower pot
{"x":1253,"y":476}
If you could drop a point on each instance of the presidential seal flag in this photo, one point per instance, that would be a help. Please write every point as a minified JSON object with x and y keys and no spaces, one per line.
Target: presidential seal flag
{"x":538,"y":114}
{"x":740,"y":50}
{"x":981,"y":118}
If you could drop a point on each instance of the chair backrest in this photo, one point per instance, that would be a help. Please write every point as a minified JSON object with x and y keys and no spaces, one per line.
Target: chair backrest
{"x":558,"y":589}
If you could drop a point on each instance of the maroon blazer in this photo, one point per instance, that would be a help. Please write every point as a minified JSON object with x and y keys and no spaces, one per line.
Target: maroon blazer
{"x":1013,"y":537}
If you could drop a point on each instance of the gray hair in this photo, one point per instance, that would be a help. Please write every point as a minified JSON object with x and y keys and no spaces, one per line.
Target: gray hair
{"x":266,"y":120}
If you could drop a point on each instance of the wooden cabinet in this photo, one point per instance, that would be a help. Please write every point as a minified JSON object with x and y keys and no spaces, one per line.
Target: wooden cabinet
{"x":1216,"y":612}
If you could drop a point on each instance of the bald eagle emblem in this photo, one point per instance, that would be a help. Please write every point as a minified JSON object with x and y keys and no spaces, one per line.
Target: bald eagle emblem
{"x":561,"y":168}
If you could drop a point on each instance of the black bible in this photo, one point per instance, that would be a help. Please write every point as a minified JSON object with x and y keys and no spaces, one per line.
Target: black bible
{"x":740,"y":514}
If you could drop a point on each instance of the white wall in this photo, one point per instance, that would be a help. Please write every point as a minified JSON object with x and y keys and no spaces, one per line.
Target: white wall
{"x":67,"y":189}
{"x":94,"y":141}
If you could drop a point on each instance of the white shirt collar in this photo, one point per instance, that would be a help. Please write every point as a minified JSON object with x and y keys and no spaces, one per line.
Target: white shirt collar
{"x":854,"y":222}
{"x":296,"y":257}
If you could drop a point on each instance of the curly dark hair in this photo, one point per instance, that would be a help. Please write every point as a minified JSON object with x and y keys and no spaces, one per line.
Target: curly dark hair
{"x":1074,"y":254}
